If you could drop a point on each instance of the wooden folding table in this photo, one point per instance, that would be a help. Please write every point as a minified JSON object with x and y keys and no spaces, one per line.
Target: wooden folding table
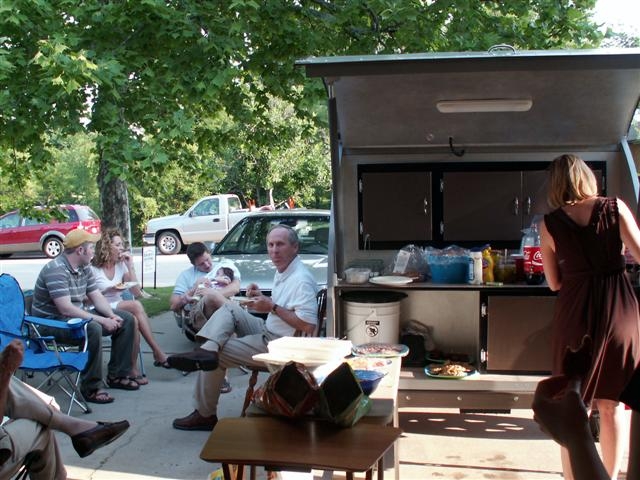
{"x":283,"y":444}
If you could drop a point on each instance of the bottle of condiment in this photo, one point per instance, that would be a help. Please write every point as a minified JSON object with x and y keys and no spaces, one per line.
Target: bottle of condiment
{"x":533,"y":269}
{"x":487,"y":265}
{"x":475,"y":268}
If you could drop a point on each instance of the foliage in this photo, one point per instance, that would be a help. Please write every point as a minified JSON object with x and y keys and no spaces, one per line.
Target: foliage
{"x":159,"y":302}
{"x":185,"y":97}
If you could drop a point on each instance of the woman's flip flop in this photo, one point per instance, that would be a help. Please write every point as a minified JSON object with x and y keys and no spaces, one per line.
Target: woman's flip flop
{"x":164,"y":364}
{"x":98,"y":397}
{"x":122,"y":383}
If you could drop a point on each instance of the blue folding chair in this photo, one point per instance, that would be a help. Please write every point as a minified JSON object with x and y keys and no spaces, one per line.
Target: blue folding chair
{"x":60,"y":364}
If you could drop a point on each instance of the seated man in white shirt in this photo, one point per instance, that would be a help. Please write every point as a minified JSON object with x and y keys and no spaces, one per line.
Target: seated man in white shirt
{"x":233,"y":335}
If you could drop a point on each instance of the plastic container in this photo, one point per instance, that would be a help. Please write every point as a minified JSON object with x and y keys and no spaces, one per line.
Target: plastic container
{"x":475,"y":268}
{"x":372,"y":316}
{"x":357,"y":275}
{"x":449,"y":268}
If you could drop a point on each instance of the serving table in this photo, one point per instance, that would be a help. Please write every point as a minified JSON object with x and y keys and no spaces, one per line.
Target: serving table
{"x":305,"y":444}
{"x":283,"y":444}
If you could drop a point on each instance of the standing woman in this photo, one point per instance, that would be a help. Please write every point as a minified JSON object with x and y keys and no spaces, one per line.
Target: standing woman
{"x":113,"y":266}
{"x":582,"y":243}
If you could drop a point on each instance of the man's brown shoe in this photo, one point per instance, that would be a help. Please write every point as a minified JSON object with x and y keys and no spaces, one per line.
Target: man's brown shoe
{"x":198,"y":359}
{"x":87,"y":442}
{"x":195,"y":421}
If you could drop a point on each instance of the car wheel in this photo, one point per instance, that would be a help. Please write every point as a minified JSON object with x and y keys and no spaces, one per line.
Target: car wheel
{"x":52,"y":247}
{"x":168,"y":243}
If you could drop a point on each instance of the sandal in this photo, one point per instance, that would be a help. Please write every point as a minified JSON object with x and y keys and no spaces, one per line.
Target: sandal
{"x":164,"y":364}
{"x":140,"y":379}
{"x":122,"y":383}
{"x":96,"y":396}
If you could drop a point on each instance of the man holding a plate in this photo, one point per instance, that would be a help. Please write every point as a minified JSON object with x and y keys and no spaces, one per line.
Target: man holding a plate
{"x":59,"y":293}
{"x":233,"y":336}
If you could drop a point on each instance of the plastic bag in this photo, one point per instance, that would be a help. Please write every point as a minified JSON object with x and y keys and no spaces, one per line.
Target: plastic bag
{"x":341,"y":400}
{"x":290,"y":392}
{"x":410,"y":261}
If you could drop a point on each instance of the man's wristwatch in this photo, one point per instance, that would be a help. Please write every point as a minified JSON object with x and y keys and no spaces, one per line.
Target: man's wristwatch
{"x":274,"y":308}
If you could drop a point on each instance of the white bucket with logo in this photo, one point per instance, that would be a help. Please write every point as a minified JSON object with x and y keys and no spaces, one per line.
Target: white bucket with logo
{"x":373,"y":317}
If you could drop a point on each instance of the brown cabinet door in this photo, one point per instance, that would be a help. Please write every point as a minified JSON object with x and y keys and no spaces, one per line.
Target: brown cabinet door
{"x":534,"y":195}
{"x":519,"y":333}
{"x":396,"y":207}
{"x":482,"y":206}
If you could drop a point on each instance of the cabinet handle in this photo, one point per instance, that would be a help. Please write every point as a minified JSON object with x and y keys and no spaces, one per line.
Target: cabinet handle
{"x":425,"y":205}
{"x":516,"y":206}
{"x":528,"y":208}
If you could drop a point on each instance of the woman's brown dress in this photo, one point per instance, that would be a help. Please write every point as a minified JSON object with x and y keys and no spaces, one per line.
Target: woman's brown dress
{"x":596,"y":300}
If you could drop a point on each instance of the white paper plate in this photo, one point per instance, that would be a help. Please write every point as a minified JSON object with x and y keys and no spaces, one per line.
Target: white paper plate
{"x":270,"y":358}
{"x":125,"y":285}
{"x":242,"y":300}
{"x":391,"y":280}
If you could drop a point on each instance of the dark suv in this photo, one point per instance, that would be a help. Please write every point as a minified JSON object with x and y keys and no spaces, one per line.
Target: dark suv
{"x":20,"y":234}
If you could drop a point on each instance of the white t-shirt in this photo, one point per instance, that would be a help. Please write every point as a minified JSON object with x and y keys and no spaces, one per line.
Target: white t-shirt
{"x":188,"y":278}
{"x":113,"y":297}
{"x":294,"y":289}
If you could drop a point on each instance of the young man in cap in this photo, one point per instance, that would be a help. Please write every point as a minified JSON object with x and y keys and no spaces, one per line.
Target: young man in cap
{"x":59,"y":293}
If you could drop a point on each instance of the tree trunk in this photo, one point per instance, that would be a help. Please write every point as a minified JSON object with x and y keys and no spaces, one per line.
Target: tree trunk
{"x":114,"y":198}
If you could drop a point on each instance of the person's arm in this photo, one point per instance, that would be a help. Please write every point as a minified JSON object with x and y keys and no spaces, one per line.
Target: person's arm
{"x":10,"y":360}
{"x":104,"y":315}
{"x":228,"y":290}
{"x":629,"y":231}
{"x":264,"y":304}
{"x":549,"y":260}
{"x":559,"y":410}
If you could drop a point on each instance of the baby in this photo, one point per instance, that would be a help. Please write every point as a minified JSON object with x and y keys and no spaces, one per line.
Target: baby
{"x":224,"y":276}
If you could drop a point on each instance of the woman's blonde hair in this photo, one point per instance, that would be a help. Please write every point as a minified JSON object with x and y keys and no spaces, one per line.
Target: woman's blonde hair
{"x":570,"y":180}
{"x":104,"y":255}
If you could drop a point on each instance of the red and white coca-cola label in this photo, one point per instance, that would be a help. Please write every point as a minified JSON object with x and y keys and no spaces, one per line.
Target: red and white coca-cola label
{"x":532,"y":260}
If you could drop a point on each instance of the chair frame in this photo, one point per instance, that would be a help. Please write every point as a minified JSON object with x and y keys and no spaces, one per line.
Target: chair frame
{"x":43,"y":354}
{"x":321,"y":299}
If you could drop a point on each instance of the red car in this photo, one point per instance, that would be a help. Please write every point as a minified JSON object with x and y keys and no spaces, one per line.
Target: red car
{"x":20,"y":234}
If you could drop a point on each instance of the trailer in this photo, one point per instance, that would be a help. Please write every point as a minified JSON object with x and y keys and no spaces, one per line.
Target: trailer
{"x":446,"y":149}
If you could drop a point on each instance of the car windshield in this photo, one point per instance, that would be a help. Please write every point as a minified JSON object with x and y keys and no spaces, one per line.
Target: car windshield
{"x":250,"y":235}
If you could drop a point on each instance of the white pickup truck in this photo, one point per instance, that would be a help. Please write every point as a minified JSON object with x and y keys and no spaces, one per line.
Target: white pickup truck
{"x":207,"y":220}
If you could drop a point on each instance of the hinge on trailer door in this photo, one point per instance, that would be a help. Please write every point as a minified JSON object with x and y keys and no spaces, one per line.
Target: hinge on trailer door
{"x":441,"y":185}
{"x":483,"y":310}
{"x":441,"y":228}
{"x":360,"y":185}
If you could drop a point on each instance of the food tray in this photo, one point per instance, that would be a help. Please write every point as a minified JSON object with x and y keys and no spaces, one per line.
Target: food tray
{"x":384,"y":350}
{"x":431,"y":371}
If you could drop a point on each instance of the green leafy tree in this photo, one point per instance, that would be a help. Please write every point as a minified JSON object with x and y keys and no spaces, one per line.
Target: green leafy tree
{"x":171,"y":86}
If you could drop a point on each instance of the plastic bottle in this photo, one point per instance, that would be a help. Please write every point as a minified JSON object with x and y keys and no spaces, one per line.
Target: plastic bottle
{"x":487,"y":265}
{"x":533,"y":269}
{"x":475,"y":268}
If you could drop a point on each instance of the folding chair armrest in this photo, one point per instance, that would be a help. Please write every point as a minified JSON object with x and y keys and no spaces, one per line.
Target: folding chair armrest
{"x":53,"y":323}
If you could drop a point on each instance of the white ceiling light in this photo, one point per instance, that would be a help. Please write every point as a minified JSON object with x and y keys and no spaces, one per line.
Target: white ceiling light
{"x":487,"y":105}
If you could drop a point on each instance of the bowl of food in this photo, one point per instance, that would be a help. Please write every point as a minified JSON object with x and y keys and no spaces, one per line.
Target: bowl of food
{"x":368,"y":380}
{"x":357,"y":275}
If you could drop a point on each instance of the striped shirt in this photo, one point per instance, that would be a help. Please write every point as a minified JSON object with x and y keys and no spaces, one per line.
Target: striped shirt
{"x":59,"y":279}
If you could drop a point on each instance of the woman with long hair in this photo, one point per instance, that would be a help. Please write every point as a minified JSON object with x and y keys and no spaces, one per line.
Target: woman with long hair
{"x":112,"y":267}
{"x":582,"y":242}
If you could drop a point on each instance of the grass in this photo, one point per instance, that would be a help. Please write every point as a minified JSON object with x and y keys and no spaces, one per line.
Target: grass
{"x":160,"y":301}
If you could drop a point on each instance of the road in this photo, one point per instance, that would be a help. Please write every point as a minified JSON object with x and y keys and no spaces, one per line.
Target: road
{"x":25,"y":268}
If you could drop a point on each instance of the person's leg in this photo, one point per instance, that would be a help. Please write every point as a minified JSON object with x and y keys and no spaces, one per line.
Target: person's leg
{"x":31,"y":438}
{"x":633,"y":468}
{"x":567,"y":472}
{"x":122,"y":346}
{"x":614,"y":430}
{"x":213,"y":300}
{"x":137,"y":310}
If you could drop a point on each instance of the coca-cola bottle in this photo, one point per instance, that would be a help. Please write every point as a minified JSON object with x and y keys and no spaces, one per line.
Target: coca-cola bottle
{"x":533,"y":269}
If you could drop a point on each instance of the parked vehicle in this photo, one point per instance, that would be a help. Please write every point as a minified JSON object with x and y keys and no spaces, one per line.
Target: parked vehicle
{"x":19,"y":234}
{"x":207,"y":220}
